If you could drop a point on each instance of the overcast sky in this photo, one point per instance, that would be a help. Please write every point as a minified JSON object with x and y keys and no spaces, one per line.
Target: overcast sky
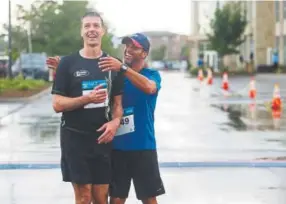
{"x":129,"y":16}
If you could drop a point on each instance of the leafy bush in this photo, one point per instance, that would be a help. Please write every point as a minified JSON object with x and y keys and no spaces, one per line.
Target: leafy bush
{"x":19,"y":83}
{"x":194,"y":71}
{"x":23,"y":87}
{"x":281,"y":69}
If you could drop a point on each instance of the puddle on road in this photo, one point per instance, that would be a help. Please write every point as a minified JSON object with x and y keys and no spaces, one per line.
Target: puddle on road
{"x":41,"y":128}
{"x":243,"y":114}
{"x":30,"y":136}
{"x":247,"y":117}
{"x":32,"y":128}
{"x":258,"y":120}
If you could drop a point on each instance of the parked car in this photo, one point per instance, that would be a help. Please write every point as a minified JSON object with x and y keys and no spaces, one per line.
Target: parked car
{"x":31,"y":66}
{"x":4,"y":66}
{"x":157,"y":65}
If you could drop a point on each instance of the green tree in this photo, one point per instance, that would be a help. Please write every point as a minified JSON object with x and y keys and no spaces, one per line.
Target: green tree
{"x":158,"y":54}
{"x":227,"y":25}
{"x":54,"y":28}
{"x":19,"y":42}
{"x":3,"y":44}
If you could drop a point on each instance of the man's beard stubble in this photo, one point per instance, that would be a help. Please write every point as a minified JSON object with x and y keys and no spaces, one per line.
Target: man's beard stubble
{"x":129,"y":64}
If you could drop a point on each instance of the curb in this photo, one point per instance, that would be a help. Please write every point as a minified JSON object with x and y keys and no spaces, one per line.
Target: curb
{"x":26,"y":99}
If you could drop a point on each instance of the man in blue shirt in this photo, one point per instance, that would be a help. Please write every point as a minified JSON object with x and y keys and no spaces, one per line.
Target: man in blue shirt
{"x":134,"y":146}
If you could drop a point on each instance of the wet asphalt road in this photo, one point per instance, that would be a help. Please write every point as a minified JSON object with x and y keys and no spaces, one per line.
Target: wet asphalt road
{"x":184,"y":186}
{"x":193,"y":123}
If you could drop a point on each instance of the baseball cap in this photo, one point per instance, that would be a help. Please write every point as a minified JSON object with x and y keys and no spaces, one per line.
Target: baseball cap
{"x":139,"y":40}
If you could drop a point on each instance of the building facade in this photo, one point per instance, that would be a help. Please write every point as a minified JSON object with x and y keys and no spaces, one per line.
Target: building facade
{"x":266,"y":30}
{"x":280,"y":30}
{"x":172,"y":41}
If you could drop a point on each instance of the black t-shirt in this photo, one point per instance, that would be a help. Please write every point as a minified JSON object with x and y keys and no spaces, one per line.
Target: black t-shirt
{"x":76,"y":76}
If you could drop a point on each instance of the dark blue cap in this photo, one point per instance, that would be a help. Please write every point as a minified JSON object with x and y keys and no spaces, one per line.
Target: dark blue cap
{"x":139,"y":40}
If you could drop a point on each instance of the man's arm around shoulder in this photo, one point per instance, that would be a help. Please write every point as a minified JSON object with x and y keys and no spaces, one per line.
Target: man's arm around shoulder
{"x":149,"y":85}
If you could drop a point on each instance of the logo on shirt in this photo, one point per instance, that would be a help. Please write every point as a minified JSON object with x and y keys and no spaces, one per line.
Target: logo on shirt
{"x":81,"y":73}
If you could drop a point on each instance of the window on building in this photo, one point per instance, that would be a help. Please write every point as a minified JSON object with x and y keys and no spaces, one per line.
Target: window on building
{"x":201,"y":47}
{"x":249,"y":10}
{"x":284,"y":9}
{"x":208,"y":46}
{"x":164,"y":39}
{"x":251,"y":45}
{"x":246,"y":45}
{"x":284,"y":48}
{"x":277,"y":38}
{"x":277,"y":17}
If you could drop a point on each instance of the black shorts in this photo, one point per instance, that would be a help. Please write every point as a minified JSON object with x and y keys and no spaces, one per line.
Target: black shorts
{"x":83,"y":160}
{"x":142,"y":167}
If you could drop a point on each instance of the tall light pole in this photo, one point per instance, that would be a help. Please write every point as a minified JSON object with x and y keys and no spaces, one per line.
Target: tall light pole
{"x":280,"y":47}
{"x":10,"y":43}
{"x":29,"y":33}
{"x":195,"y":18}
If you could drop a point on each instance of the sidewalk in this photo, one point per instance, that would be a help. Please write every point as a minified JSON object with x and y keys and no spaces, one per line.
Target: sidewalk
{"x":264,"y":84}
{"x":7,"y":108}
{"x":27,"y":99}
{"x":183,"y":186}
{"x":11,"y":105}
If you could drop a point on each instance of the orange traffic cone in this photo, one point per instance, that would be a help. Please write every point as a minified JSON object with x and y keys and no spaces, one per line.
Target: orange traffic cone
{"x":252,"y":107}
{"x":252,"y":114}
{"x":276,"y":114}
{"x":210,"y":77}
{"x":276,"y":104}
{"x":225,"y":85}
{"x":252,"y":89}
{"x":200,"y":75}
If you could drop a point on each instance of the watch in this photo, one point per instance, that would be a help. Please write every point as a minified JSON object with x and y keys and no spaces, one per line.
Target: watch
{"x":123,"y":68}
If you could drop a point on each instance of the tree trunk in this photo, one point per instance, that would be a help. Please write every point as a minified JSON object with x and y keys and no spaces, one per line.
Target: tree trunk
{"x":229,"y":62}
{"x":220,"y":63}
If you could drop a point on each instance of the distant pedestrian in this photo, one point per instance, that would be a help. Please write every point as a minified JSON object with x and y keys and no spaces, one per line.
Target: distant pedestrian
{"x":275,"y":60}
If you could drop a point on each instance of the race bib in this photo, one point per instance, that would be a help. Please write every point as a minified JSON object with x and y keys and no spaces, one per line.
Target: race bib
{"x":88,"y":86}
{"x":127,"y":122}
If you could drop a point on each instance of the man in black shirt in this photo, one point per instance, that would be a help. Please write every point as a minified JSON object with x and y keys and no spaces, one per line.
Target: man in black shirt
{"x":90,"y":102}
